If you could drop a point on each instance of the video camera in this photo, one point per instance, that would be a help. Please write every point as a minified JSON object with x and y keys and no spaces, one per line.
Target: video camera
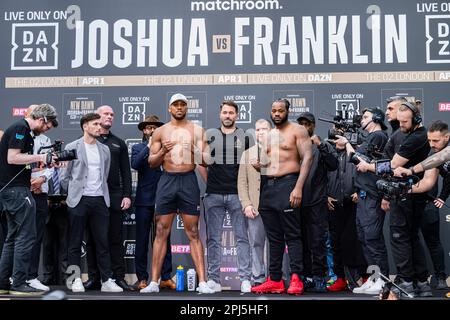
{"x":349,"y":128}
{"x":61,"y":155}
{"x":372,"y":151}
{"x":392,"y":188}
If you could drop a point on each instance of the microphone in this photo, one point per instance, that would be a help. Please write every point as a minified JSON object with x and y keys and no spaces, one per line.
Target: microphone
{"x":364,"y":128}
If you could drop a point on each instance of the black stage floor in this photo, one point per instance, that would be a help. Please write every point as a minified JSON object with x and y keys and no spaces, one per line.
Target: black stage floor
{"x":57,"y":292}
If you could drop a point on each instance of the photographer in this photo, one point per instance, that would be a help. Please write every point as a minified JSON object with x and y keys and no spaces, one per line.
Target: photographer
{"x":369,"y":216}
{"x":16,"y":200}
{"x":406,"y":213}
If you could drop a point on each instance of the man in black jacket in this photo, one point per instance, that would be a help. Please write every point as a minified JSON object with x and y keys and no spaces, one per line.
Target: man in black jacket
{"x":119,"y":185}
{"x":314,"y":208}
{"x":342,"y":200}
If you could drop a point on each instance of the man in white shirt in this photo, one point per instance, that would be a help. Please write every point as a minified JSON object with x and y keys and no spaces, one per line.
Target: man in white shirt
{"x":88,"y":200}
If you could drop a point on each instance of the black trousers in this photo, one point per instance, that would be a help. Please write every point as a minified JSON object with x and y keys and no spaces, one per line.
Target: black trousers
{"x":407,"y":249}
{"x":282,"y":224}
{"x":369,"y":226}
{"x":41,"y":217}
{"x":346,"y":248}
{"x":115,"y":242}
{"x":430,"y":227}
{"x":55,"y":243}
{"x":315,"y":232}
{"x":144,"y":222}
{"x":91,"y":212}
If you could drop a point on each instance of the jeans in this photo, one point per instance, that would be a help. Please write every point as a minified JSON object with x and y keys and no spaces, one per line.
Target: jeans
{"x":20,"y":209}
{"x":215,"y":207}
{"x":41,"y":216}
{"x":257,"y":240}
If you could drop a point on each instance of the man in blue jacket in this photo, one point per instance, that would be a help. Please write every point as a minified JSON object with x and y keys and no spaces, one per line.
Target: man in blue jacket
{"x":145,"y":205}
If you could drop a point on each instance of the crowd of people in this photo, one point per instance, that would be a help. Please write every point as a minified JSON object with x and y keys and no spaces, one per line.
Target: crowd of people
{"x":283,"y":187}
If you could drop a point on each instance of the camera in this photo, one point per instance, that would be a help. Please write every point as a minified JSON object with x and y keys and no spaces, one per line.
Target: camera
{"x":349,"y":128}
{"x":354,"y":158}
{"x":61,"y":155}
{"x":393,"y":188}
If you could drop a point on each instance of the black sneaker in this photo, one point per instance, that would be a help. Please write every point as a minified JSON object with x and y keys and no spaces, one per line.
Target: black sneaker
{"x":408,"y":289}
{"x":423,"y":289}
{"x":307,"y":283}
{"x":25,"y":290}
{"x":320,"y":285}
{"x":441,"y":284}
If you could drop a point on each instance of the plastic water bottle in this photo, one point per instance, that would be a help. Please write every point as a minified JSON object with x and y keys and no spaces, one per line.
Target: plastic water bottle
{"x":180,"y":278}
{"x":191,"y":280}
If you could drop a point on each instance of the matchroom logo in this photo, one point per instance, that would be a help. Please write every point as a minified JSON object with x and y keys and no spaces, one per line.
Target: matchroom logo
{"x":34,"y":46}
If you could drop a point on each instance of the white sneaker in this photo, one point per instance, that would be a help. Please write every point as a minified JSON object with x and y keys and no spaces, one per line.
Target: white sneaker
{"x":35,"y":283}
{"x":366,"y":285}
{"x":203,"y":287}
{"x":77,"y":285}
{"x":110,"y":286}
{"x":152,"y":287}
{"x":375,"y":288}
{"x":216,"y":287}
{"x":246,"y":286}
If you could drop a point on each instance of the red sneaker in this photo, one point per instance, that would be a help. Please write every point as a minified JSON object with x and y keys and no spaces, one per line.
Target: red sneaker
{"x":269,"y":286}
{"x":296,"y":285}
{"x":338,"y":285}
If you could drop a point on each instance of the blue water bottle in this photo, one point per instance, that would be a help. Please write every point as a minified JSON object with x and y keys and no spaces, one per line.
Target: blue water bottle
{"x":180,"y":278}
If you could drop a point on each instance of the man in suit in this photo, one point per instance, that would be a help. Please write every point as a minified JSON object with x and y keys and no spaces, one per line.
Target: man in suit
{"x":145,"y":205}
{"x":88,"y":200}
{"x":119,"y":185}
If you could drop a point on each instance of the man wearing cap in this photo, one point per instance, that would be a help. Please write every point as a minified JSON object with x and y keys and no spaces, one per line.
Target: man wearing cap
{"x":369,"y":215}
{"x":178,"y":146}
{"x":314,"y":208}
{"x":145,"y":205}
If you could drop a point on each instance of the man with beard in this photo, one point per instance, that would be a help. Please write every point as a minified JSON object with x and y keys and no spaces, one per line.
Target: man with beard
{"x":290,"y":155}
{"x":406,"y":213}
{"x":227,"y":145}
{"x":438,"y":138}
{"x":85,"y":180}
{"x":119,"y":186}
{"x":144,"y":203}
{"x":177,"y":146}
{"x":16,"y":200}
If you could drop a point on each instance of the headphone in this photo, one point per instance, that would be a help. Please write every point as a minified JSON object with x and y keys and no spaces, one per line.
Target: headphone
{"x":416,"y":119}
{"x":377,"y":117}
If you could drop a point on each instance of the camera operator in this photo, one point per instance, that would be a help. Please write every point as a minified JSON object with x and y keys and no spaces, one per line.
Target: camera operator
{"x":369,"y":216}
{"x":16,"y":200}
{"x":438,"y":138}
{"x":406,"y":213}
{"x":314,"y":208}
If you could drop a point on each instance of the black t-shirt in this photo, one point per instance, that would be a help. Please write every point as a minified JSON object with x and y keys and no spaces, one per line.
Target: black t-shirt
{"x":17,"y":136}
{"x":367,"y":180}
{"x":394,"y":143}
{"x":415,"y":147}
{"x":223,"y":173}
